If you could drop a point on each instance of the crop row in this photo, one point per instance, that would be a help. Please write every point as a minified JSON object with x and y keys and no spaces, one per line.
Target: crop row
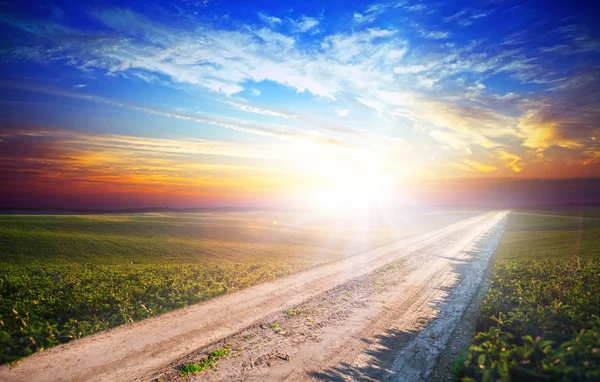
{"x":539,"y":321}
{"x":43,"y":307}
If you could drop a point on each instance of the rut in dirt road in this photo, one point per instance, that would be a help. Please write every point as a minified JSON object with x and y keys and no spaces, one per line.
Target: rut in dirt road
{"x":138,"y":351}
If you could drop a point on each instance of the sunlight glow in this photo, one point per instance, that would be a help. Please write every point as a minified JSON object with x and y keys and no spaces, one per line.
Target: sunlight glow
{"x":354,"y":193}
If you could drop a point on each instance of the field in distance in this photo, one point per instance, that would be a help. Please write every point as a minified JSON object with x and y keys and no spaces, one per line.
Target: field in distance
{"x":540,"y":317}
{"x":64,"y":277}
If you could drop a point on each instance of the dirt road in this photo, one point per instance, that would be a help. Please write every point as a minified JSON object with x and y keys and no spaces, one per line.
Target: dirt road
{"x":383,"y":326}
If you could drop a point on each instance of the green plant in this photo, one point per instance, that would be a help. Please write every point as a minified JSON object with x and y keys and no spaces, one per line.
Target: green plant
{"x":293,"y":312}
{"x":204,"y":363}
{"x":220,"y":353}
{"x":459,"y":365}
{"x":540,"y":317}
{"x":192,"y":368}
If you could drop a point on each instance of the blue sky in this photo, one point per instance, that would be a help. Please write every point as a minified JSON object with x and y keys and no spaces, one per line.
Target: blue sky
{"x":412,"y":90}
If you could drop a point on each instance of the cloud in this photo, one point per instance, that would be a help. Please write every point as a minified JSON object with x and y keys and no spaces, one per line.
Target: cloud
{"x":150,"y":146}
{"x":416,"y":8}
{"x":225,"y":61}
{"x":370,"y":13}
{"x":456,"y":15}
{"x":435,"y":35}
{"x":473,"y":166}
{"x":38,"y":158}
{"x":541,"y":133}
{"x":271,"y":20}
{"x":409,"y":69}
{"x":305,"y":23}
{"x":512,"y":161}
{"x":469,"y":124}
{"x":359,"y":18}
{"x":397,"y":53}
{"x":342,"y":112}
{"x":466,"y":17}
{"x":256,"y":128}
{"x":257,"y":110}
{"x":568,"y":118}
{"x":450,"y":139}
{"x":79,"y":86}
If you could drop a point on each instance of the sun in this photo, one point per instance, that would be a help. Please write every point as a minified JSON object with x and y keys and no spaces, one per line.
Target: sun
{"x":354,"y":193}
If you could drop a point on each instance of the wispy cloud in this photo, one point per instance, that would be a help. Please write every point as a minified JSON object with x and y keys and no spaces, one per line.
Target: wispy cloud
{"x":252,"y":128}
{"x":52,"y":157}
{"x":359,"y":18}
{"x":409,"y":69}
{"x":466,"y":17}
{"x":469,"y":165}
{"x":271,"y":20}
{"x":435,"y":35}
{"x":258,"y":110}
{"x":305,"y":23}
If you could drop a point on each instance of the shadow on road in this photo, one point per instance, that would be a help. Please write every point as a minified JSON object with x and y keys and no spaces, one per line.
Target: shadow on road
{"x":391,"y":343}
{"x":384,"y":356}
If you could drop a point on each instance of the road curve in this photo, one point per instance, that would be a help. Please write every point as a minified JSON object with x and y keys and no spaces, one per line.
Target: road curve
{"x":136,"y":351}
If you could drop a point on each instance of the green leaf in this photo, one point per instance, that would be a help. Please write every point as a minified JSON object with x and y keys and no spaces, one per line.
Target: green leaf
{"x":481,"y":359}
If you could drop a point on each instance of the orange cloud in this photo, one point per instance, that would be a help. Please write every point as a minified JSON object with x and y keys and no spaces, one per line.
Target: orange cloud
{"x":540,"y":133}
{"x":473,"y":166}
{"x":513,"y":161}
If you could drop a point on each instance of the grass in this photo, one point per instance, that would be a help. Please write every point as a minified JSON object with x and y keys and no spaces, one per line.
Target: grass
{"x":540,"y":317}
{"x":65,"y":277}
{"x":193,"y":368}
{"x":293,"y":312}
{"x":220,"y":353}
{"x":205,"y":363}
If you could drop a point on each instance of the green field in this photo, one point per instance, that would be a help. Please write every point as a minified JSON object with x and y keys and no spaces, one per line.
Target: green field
{"x":64,"y":277}
{"x":540,"y":317}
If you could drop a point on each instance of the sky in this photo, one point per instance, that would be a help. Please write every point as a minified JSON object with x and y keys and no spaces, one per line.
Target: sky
{"x":116,"y":104}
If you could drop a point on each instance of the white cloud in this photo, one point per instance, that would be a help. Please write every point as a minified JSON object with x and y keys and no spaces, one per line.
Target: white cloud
{"x":258,"y":110}
{"x":271,"y":20}
{"x":409,"y":69}
{"x":79,"y":86}
{"x":397,"y":53}
{"x":305,"y":23}
{"x":479,"y":15}
{"x":466,"y":17}
{"x":223,"y":87}
{"x":373,"y":104}
{"x":361,"y":19}
{"x":146,"y":77}
{"x":416,"y":8}
{"x":255,"y":92}
{"x":456,"y":16}
{"x":435,"y":35}
{"x":342,"y":112}
{"x":274,"y":38}
{"x":377,"y":8}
